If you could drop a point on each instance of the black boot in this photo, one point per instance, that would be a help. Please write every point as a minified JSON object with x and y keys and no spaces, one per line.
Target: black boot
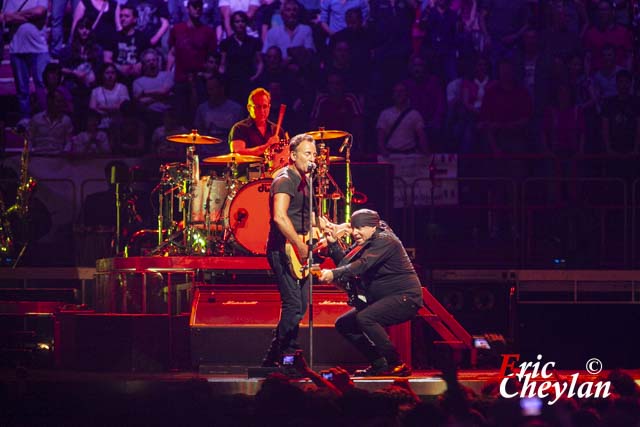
{"x":273,"y":356}
{"x":378,"y":367}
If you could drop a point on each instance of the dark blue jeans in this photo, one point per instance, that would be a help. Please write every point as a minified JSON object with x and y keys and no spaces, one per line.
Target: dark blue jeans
{"x":294,"y":297}
{"x":365,"y":328}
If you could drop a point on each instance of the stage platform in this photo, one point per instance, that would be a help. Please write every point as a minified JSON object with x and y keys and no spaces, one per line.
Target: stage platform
{"x":425,"y":383}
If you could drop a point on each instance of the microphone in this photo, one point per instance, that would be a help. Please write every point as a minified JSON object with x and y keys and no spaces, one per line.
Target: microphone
{"x":344,"y":145}
{"x":311,"y":167}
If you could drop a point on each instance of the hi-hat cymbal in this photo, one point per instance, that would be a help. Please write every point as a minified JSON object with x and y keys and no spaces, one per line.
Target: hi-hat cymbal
{"x":232,"y":158}
{"x":327,"y":134}
{"x":193,"y":138}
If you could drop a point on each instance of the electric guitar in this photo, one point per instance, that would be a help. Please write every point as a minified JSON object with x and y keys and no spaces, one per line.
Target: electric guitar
{"x":297,"y":266}
{"x":351,"y":288}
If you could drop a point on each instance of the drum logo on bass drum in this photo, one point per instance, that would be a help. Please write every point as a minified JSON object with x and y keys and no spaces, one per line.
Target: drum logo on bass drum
{"x":264,"y":187}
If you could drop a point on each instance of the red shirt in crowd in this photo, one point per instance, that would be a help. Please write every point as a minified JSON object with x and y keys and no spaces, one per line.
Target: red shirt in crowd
{"x":192,"y":44}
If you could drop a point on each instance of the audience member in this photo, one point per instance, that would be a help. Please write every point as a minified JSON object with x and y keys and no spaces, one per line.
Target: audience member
{"x":506,"y":21}
{"x":127,"y":132}
{"x":104,"y":16}
{"x":179,"y":12}
{"x":108,"y":96}
{"x":241,"y":61}
{"x":190,"y":42}
{"x":170,"y":126}
{"x":217,"y":115}
{"x":559,"y":38}
{"x":339,"y":109}
{"x":229,"y":7}
{"x":505,"y":112}
{"x":473,"y":29}
{"x":361,"y":41}
{"x":563,"y":137}
{"x":28,"y":49}
{"x":80,"y":63}
{"x":621,"y":118}
{"x":293,"y":38}
{"x":473,"y":92}
{"x":333,"y":14}
{"x":341,"y":62}
{"x":440,"y":24}
{"x":390,"y":22}
{"x":604,"y":80}
{"x":427,"y":96}
{"x":58,"y":11}
{"x":274,"y":68}
{"x":401,"y":140}
{"x":152,"y":19}
{"x":607,"y":31}
{"x":152,"y":90}
{"x":52,"y":80}
{"x":50,"y":130}
{"x":127,"y":45}
{"x":92,"y":140}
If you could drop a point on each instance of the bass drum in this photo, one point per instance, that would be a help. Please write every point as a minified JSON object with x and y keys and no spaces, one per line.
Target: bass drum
{"x":247,"y":217}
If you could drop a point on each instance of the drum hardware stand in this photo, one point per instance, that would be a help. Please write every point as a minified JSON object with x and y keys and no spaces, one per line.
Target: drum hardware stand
{"x":348,"y":180}
{"x":115,"y":180}
{"x":185,"y":195}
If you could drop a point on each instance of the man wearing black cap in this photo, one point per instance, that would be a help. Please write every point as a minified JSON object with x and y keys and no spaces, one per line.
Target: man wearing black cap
{"x":390,"y":291}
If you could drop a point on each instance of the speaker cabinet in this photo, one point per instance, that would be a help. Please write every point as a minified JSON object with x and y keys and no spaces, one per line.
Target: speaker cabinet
{"x":234,"y":327}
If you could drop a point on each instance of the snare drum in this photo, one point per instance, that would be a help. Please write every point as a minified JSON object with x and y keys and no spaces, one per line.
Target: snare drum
{"x":247,"y":217}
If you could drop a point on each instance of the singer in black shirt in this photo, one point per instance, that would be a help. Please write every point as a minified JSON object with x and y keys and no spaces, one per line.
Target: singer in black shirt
{"x":290,"y":218}
{"x":389,"y":286}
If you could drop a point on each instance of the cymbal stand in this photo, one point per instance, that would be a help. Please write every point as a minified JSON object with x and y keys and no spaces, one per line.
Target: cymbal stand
{"x":323,"y":177}
{"x":232,"y":188}
{"x":348,"y":182}
{"x":186,"y":196}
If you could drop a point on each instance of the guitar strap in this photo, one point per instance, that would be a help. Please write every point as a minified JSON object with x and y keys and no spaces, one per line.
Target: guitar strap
{"x":351,"y":254}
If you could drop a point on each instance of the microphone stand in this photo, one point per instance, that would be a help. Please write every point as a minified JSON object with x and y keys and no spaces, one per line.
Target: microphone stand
{"x":309,"y":275}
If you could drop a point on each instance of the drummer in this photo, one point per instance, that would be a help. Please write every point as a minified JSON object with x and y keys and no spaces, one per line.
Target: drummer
{"x":255,"y":134}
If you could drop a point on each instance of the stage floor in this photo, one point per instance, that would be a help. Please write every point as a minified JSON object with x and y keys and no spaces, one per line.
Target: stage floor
{"x":230,"y":380}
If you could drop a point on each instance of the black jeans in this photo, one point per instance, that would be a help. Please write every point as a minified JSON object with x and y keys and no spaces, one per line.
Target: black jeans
{"x":294,"y":297}
{"x":365,"y":328}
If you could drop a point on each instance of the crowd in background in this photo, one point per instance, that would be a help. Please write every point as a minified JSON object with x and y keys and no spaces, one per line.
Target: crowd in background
{"x":475,"y":76}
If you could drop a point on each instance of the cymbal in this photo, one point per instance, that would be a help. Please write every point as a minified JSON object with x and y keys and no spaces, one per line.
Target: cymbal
{"x":336,"y":158}
{"x":193,"y":138}
{"x":327,"y":134}
{"x":232,"y":158}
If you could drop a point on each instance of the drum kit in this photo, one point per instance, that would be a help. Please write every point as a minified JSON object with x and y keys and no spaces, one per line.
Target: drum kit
{"x":225,"y":211}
